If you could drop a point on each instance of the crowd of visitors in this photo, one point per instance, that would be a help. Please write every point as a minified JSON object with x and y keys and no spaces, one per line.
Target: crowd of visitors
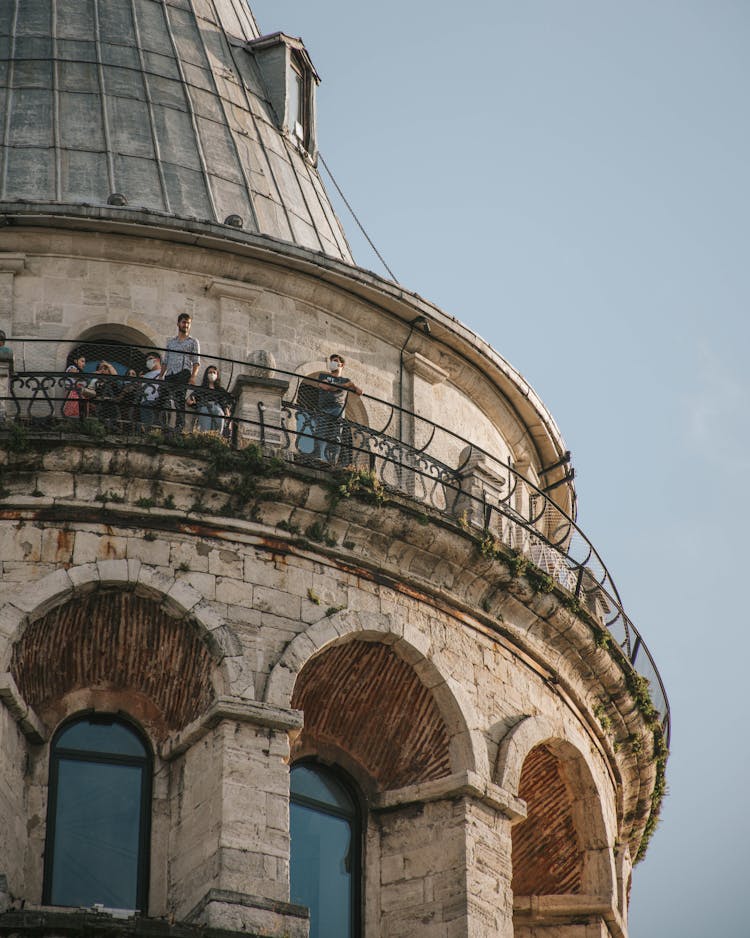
{"x":165,"y":395}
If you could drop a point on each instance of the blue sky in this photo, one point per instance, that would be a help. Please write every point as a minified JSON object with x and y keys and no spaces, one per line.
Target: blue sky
{"x":570,"y":180}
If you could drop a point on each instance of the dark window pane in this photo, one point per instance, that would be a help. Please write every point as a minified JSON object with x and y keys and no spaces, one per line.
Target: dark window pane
{"x":322,"y":788}
{"x":109,"y":738}
{"x":321,"y":870}
{"x":97,"y":824}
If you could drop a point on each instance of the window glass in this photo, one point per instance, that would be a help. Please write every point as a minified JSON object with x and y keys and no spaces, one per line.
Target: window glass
{"x":97,"y":825}
{"x":114,"y":738}
{"x":324,"y":851}
{"x":296,"y":102}
{"x":310,"y":782}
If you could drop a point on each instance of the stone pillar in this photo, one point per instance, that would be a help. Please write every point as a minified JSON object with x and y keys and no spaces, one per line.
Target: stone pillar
{"x":420,"y":376}
{"x":17,"y":721}
{"x":445,"y":861}
{"x":229,"y":843}
{"x":10,"y":265}
{"x":236,"y":311}
{"x":6,"y":370}
{"x":482,"y":484}
{"x":259,"y":410}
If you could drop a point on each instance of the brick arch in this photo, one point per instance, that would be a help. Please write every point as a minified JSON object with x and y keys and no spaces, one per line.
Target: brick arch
{"x":467,"y":749}
{"x":122,"y":648}
{"x":179,"y":600}
{"x":548,"y":764}
{"x":548,"y":852}
{"x":362,"y":699}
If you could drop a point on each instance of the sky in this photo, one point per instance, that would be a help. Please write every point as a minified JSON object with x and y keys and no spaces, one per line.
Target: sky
{"x":569,"y":179}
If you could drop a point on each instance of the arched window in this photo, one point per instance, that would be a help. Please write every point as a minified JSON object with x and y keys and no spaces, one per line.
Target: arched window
{"x":325,"y":851}
{"x":98,"y":816}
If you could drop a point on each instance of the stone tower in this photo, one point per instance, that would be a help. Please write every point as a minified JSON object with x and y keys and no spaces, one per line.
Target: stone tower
{"x":294,"y":670}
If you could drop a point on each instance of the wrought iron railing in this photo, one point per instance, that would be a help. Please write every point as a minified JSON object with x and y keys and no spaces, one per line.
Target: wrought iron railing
{"x":433,"y":465}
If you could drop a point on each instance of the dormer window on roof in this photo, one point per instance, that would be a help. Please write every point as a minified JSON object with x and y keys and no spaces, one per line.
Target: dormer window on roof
{"x":290,"y":79}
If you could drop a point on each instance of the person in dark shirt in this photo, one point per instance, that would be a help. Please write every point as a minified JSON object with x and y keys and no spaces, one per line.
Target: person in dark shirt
{"x":332,"y":390}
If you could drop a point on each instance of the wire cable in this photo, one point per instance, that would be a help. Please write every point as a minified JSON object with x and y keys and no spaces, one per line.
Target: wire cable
{"x":394,"y":278}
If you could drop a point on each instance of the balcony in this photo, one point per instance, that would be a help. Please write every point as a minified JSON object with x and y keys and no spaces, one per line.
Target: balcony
{"x":398,"y":450}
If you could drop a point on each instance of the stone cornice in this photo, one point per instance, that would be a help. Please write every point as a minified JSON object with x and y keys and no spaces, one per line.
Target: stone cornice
{"x":454,"y":786}
{"x":234,"y":710}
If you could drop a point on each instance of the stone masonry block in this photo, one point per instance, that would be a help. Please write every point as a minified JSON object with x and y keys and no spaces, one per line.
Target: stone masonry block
{"x":45,"y":594}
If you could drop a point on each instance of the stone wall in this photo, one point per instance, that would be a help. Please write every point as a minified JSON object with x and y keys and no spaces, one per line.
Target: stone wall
{"x":506,"y":669}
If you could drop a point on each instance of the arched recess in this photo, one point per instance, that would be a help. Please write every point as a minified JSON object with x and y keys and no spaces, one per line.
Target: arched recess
{"x":406,"y":654}
{"x":364,"y":704}
{"x":122,"y":345}
{"x":115,"y":650}
{"x":563,"y":847}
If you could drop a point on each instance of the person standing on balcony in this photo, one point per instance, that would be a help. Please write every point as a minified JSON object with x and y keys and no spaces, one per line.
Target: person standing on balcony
{"x":332,"y":390}
{"x":179,"y":369}
{"x":150,"y":390}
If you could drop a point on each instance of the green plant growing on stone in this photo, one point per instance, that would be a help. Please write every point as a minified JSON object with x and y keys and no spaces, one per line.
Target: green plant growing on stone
{"x":517,"y":564}
{"x":361,"y":483}
{"x":288,"y":526}
{"x":149,"y":536}
{"x":332,"y":610}
{"x":169,"y":503}
{"x":145,"y":503}
{"x":540,"y":581}
{"x":602,"y":637}
{"x":92,"y":427}
{"x":18,"y":439}
{"x":320,"y":533}
{"x":489,"y":547}
{"x":109,"y":496}
{"x":313,"y":596}
{"x":601,"y":714}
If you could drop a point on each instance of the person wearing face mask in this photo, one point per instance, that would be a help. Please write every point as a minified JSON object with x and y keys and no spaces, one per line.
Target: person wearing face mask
{"x":332,"y":390}
{"x":213,"y":402}
{"x":150,"y":395}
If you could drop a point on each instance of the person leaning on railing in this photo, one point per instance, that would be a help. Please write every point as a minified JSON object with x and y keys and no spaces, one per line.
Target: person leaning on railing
{"x":332,"y":390}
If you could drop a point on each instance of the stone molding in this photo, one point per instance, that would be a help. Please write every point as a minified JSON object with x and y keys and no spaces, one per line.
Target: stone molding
{"x":11,"y":263}
{"x":562,"y":909}
{"x":29,"y":723}
{"x":251,"y":915}
{"x":234,"y":710}
{"x":422,"y":367}
{"x":234,"y":290}
{"x":454,"y":786}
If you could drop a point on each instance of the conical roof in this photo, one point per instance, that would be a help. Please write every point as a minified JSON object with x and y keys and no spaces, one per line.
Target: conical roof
{"x":159,"y":100}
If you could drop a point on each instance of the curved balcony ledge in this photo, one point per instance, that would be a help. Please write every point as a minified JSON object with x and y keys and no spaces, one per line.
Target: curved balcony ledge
{"x":506,"y":515}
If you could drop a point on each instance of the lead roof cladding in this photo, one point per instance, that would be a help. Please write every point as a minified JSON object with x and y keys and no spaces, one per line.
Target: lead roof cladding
{"x":157,"y":100}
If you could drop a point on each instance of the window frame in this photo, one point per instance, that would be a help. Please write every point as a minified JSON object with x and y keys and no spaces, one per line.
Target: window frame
{"x":358,"y":824}
{"x":145,"y":762}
